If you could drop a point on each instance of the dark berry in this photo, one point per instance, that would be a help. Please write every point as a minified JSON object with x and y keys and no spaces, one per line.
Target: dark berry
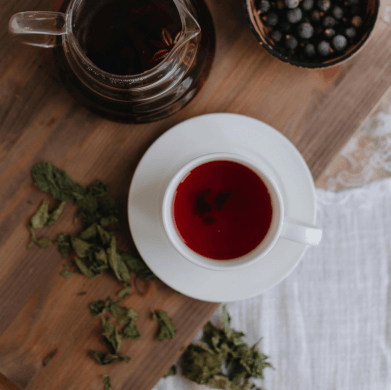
{"x":286,"y":27}
{"x":350,"y":32}
{"x":309,"y":50}
{"x":294,"y":15}
{"x":324,"y":5}
{"x":337,"y":12}
{"x":307,"y":5}
{"x":329,"y":33}
{"x":292,"y":3}
{"x":270,"y":19}
{"x":340,"y":42}
{"x":305,"y":30}
{"x":328,"y":22}
{"x":352,"y":2}
{"x":276,"y":36}
{"x":324,"y":48}
{"x":316,"y":15}
{"x":291,"y":42}
{"x":357,"y":21}
{"x":264,"y":6}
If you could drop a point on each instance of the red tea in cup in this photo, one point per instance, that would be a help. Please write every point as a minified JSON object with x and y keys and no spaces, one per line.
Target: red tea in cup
{"x":222,"y":210}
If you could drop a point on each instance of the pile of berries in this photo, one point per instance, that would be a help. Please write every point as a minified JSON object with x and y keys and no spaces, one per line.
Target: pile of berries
{"x":313,"y":30}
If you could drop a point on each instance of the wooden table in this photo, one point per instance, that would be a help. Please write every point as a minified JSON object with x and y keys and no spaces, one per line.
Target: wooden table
{"x":46,"y":329}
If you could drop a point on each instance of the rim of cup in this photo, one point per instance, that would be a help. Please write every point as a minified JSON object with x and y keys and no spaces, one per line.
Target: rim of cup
{"x":224,"y":265}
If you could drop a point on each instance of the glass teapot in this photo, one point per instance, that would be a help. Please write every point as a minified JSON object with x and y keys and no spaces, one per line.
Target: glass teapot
{"x":151,"y":95}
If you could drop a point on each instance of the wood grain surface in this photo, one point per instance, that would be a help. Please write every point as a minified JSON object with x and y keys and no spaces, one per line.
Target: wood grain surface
{"x":46,"y":329}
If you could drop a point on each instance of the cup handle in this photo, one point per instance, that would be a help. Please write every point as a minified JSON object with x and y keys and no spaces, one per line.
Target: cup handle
{"x":38,"y":28}
{"x":309,"y":235}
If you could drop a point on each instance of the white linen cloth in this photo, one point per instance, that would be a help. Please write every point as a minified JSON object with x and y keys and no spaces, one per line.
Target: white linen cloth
{"x":327,"y":326}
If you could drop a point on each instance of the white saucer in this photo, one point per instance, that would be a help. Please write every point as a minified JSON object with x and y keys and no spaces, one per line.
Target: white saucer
{"x":209,"y":134}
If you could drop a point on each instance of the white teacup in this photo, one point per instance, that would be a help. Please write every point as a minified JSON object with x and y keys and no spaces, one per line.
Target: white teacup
{"x":279,"y":227}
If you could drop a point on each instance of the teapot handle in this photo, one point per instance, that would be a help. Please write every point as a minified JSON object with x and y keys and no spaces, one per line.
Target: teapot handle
{"x":38,"y":28}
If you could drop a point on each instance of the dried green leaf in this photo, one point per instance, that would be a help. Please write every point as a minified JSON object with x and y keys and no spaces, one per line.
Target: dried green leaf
{"x":201,"y":362}
{"x":101,"y":256}
{"x":111,"y":335}
{"x":67,"y":274}
{"x":121,"y":313}
{"x":116,"y":263}
{"x":33,"y":238}
{"x":122,"y":294}
{"x":106,"y":382}
{"x":108,"y":220}
{"x":201,"y":366}
{"x":130,"y":331}
{"x":87,"y":209}
{"x":44,"y":242}
{"x":109,"y":358}
{"x":81,"y":247}
{"x":138,"y":266}
{"x":105,"y":236}
{"x":39,"y":219}
{"x":167,"y":327}
{"x":106,"y":207}
{"x":98,"y":189}
{"x":63,"y":244}
{"x":82,"y":293}
{"x":89,"y":233}
{"x":53,"y":216}
{"x":49,"y":178}
{"x":170,"y":372}
{"x":98,"y":307}
{"x":86,"y":270}
{"x":226,"y":322}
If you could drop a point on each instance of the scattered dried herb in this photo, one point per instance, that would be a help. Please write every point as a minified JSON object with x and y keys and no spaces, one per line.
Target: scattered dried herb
{"x":53,"y":216}
{"x":112,"y":337}
{"x":224,"y":361}
{"x":63,"y":244}
{"x":221,"y":199}
{"x":67,"y":274}
{"x":202,"y":206}
{"x":82,"y":293}
{"x":167,"y":327}
{"x":170,"y":372}
{"x":106,"y":382}
{"x":121,"y":313}
{"x":39,"y":219}
{"x":109,"y":358}
{"x":98,"y":189}
{"x":98,"y":307}
{"x":122,"y":294}
{"x":138,"y":266}
{"x":58,"y":183}
{"x":116,"y":262}
{"x":130,"y":331}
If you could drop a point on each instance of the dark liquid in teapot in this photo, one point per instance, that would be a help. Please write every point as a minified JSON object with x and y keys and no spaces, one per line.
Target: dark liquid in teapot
{"x":127,"y":37}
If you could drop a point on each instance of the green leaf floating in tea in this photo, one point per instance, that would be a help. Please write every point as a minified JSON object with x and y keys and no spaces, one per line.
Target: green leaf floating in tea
{"x":221,"y":199}
{"x":167,"y":327}
{"x":202,"y":206}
